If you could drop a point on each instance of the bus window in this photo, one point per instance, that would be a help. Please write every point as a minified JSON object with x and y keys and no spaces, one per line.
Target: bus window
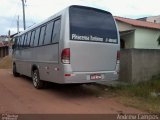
{"x":28,"y":39}
{"x":92,"y":25}
{"x":25,"y":40}
{"x":48,"y":35}
{"x":21,"y":41}
{"x":42,"y":35}
{"x":36,"y":36}
{"x":32,"y":38}
{"x":56,"y":31}
{"x":18,"y":40}
{"x":15,"y":40}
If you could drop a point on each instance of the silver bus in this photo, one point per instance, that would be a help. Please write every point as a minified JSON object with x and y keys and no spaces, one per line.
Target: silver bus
{"x":77,"y":45}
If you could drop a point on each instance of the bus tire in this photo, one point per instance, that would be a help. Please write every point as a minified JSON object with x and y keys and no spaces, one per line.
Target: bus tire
{"x":39,"y":84}
{"x":15,"y":73}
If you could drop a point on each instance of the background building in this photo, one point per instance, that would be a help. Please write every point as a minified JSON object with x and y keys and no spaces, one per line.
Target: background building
{"x":3,"y":38}
{"x":154,"y":19}
{"x":138,"y":34}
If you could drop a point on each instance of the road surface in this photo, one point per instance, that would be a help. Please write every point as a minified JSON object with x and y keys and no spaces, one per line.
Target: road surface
{"x":17,"y":95}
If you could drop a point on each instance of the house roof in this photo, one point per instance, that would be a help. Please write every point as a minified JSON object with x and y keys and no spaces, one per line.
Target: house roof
{"x":138,"y":23}
{"x":5,"y":43}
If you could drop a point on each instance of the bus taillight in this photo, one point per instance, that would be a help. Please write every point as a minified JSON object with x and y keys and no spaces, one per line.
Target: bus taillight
{"x":65,"y":56}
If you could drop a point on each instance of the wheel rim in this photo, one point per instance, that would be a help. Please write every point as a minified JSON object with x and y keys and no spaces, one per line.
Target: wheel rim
{"x":35,"y":79}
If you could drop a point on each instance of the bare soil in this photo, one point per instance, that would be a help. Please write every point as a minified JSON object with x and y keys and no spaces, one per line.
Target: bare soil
{"x":6,"y":62}
{"x":17,"y":95}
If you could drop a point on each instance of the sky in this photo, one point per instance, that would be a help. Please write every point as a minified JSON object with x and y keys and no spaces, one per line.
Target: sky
{"x":38,"y":10}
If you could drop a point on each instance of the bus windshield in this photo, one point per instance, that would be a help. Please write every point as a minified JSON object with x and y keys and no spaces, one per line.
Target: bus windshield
{"x":94,"y":25}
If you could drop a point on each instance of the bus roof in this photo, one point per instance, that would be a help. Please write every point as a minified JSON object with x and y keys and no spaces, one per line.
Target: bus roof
{"x":59,"y":14}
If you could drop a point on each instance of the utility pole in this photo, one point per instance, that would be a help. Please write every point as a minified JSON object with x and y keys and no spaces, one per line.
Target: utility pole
{"x":9,"y":35}
{"x":24,"y":21}
{"x":18,"y":25}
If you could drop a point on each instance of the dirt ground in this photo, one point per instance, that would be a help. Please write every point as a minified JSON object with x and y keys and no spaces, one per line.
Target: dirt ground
{"x":17,"y":95}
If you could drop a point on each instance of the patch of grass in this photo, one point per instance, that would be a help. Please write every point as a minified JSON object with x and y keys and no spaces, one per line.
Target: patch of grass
{"x":148,"y":105}
{"x":6,"y":62}
{"x":143,"y":89}
{"x":144,"y":95}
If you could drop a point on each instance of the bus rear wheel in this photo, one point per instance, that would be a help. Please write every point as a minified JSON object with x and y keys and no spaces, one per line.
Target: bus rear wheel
{"x":36,"y":80}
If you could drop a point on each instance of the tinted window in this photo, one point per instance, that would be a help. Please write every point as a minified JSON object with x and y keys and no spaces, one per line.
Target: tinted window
{"x":42,"y":34}
{"x":48,"y":33}
{"x":18,"y":41}
{"x":21,"y":41}
{"x":28,"y":39}
{"x":25,"y":40}
{"x":56,"y":31}
{"x":88,"y":24}
{"x":15,"y":40}
{"x":36,"y":36}
{"x":32,"y":38}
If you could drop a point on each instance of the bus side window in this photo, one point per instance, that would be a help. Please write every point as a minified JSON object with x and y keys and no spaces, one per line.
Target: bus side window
{"x":42,"y":35}
{"x":36,"y":36}
{"x":56,"y":31}
{"x":48,"y":35}
{"x":22,"y":41}
{"x":17,"y":43}
{"x":25,"y":40}
{"x":32,"y":38}
{"x":24,"y":35}
{"x":28,"y":39}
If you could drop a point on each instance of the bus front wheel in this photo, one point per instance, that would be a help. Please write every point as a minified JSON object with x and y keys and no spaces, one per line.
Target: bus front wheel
{"x":36,"y":80}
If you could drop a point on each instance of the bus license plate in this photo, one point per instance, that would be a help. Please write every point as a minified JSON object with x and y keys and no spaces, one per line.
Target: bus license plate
{"x":96,"y":77}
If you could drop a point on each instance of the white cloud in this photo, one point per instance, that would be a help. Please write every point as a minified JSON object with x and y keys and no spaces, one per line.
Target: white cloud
{"x":38,"y":10}
{"x":47,"y":8}
{"x":9,"y":7}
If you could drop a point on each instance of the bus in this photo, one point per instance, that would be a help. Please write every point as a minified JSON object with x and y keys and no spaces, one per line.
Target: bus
{"x":79,"y":44}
